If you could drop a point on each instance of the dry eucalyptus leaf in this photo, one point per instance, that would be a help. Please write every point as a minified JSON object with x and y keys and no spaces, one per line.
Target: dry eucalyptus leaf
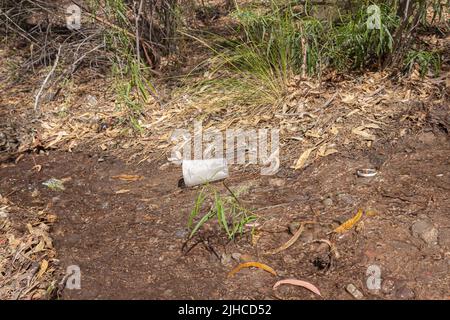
{"x":365,"y":135}
{"x":303,"y":158}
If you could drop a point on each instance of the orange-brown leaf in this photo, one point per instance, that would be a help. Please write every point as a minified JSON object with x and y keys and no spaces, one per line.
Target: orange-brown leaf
{"x":347,"y":225}
{"x":252,"y":264}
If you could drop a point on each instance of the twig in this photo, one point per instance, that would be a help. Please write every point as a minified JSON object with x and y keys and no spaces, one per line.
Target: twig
{"x":36,"y":101}
{"x":138,"y":51}
{"x":330,"y":100}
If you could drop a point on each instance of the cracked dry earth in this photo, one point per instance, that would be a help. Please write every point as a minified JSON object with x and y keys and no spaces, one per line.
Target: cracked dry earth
{"x":128,"y":244}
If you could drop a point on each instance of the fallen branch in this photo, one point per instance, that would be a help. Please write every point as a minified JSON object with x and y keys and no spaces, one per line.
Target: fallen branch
{"x":36,"y":101}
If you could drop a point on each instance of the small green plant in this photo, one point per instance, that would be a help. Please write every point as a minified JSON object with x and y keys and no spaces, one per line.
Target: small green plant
{"x":230,"y":214}
{"x":426,"y":61}
{"x":350,"y":44}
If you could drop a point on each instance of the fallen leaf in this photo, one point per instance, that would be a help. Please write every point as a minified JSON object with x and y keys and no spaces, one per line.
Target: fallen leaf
{"x":348,"y":115}
{"x":299,"y":283}
{"x":360,"y":131}
{"x":303,"y":158}
{"x":290,"y":242}
{"x":312,"y":134}
{"x":372,"y":126}
{"x":333,"y":248}
{"x":330,"y":151}
{"x":18,"y":158}
{"x":349,"y":98}
{"x":121,"y":191}
{"x":347,"y":225}
{"x":252,"y":264}
{"x":127,"y":177}
{"x":40,"y":247}
{"x":43,"y":268}
{"x":323,"y":151}
{"x":51,"y":218}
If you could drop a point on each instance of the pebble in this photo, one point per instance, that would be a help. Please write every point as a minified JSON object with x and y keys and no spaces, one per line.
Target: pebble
{"x":35,"y":193}
{"x":388,"y":286}
{"x":91,"y":100}
{"x":168,"y":293}
{"x":405,"y":293}
{"x":346,"y":198}
{"x":353,"y":290}
{"x":181,"y":233}
{"x":3,"y":214}
{"x":105,"y":205}
{"x":293,"y":227}
{"x":140,"y":207}
{"x":327,"y":202}
{"x":288,"y":259}
{"x":425,"y":230}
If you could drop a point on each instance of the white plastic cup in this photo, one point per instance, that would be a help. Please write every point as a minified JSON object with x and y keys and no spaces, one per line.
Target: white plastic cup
{"x":197,"y":172}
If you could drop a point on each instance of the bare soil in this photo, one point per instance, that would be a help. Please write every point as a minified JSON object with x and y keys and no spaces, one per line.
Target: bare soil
{"x":129,"y":244}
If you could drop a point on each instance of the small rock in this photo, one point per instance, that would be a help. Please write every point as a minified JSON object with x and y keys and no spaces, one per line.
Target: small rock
{"x":181,"y":233}
{"x":140,"y":207}
{"x":353,"y":290}
{"x":405,"y":293}
{"x":425,"y":230}
{"x":236,"y":256}
{"x":168,"y":293}
{"x":388,"y":286}
{"x":346,"y":198}
{"x":3,"y":213}
{"x":105,"y":205}
{"x":293,"y":227}
{"x":327,"y":202}
{"x":277,"y":182}
{"x":288,"y":259}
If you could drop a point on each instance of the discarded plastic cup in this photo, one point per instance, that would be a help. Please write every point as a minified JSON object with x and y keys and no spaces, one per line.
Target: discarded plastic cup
{"x":197,"y":172}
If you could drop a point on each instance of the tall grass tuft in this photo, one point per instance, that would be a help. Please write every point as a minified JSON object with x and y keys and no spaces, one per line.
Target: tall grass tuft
{"x":272,"y":46}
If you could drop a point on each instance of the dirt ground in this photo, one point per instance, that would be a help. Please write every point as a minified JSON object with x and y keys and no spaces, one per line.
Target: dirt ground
{"x":130,"y":245}
{"x":130,"y":238}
